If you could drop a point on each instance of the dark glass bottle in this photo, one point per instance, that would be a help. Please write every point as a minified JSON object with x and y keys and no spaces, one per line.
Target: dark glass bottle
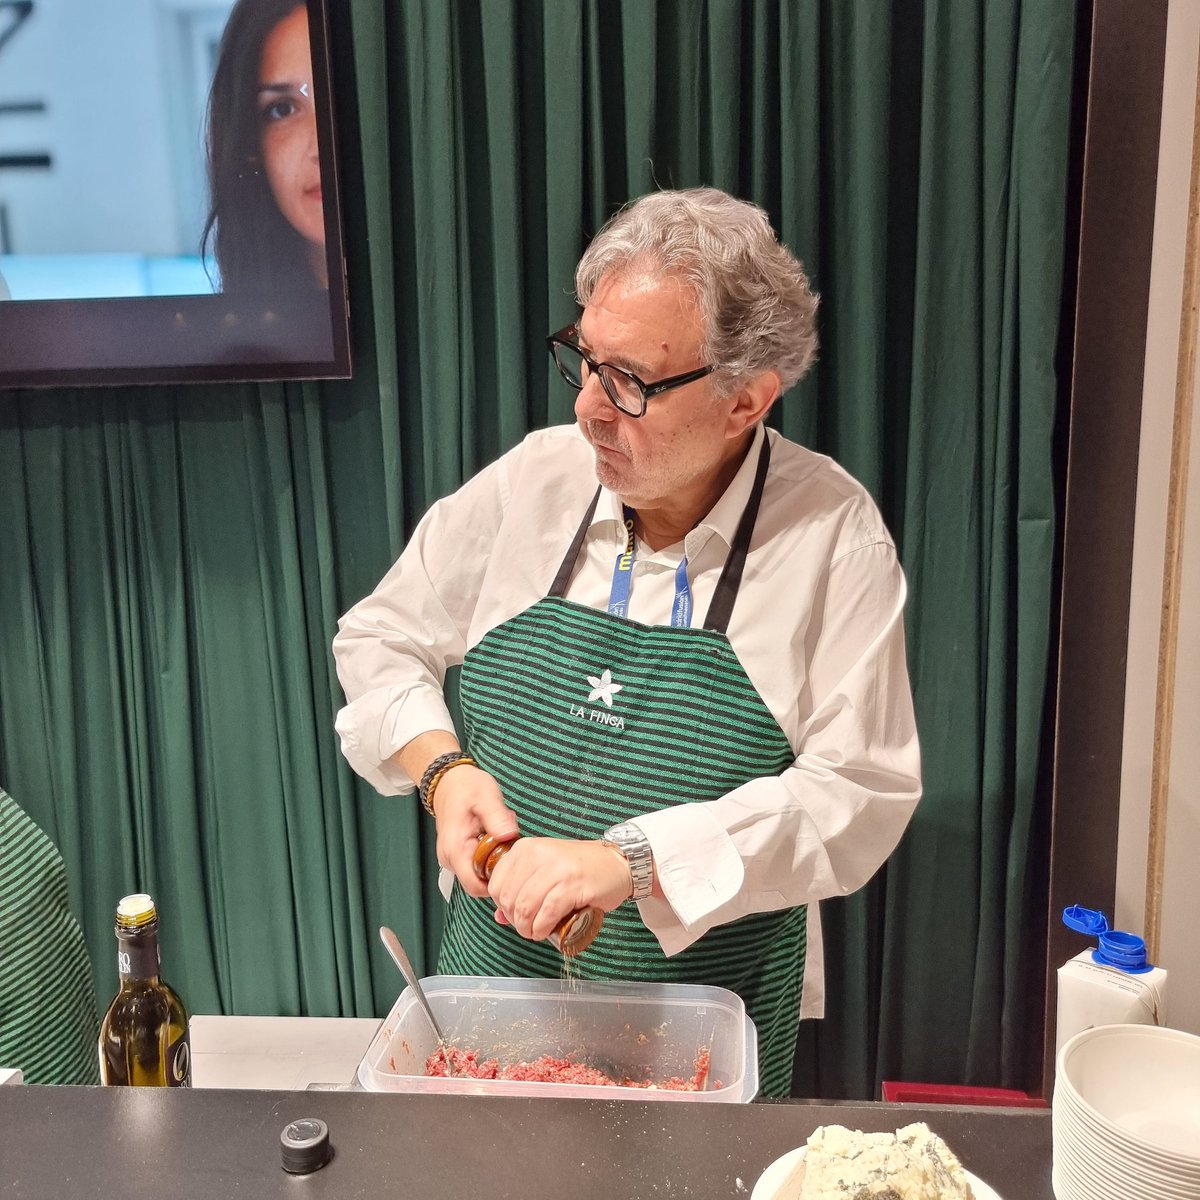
{"x":144,"y":1035}
{"x":574,"y":933}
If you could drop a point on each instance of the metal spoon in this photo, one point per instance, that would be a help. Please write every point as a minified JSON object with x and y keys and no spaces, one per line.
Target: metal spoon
{"x":396,"y":950}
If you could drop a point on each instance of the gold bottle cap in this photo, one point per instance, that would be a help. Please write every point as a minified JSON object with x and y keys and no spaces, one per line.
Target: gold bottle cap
{"x":136,"y":910}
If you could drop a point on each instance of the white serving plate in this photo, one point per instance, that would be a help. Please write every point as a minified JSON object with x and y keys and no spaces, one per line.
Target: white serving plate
{"x":772,"y":1178}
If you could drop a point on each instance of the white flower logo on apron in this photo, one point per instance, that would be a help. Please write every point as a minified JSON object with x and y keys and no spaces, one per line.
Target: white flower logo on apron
{"x":603,"y":688}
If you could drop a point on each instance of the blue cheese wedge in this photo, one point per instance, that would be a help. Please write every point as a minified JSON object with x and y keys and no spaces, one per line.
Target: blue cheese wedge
{"x":842,"y":1164}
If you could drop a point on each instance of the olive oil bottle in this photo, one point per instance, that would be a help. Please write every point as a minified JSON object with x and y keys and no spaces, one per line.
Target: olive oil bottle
{"x":144,"y":1035}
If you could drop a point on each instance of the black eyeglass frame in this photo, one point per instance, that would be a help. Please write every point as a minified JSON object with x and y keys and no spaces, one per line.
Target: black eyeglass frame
{"x":567,"y":336}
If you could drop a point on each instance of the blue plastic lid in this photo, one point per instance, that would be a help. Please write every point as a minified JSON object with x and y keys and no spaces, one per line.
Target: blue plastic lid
{"x":1125,"y":951}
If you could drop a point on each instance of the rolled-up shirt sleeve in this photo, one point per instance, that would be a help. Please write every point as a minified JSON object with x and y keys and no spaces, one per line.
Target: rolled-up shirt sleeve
{"x":392,"y":650}
{"x":826,"y":824}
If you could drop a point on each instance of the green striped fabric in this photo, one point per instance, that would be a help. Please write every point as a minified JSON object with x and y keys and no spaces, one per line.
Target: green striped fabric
{"x":48,"y":1020}
{"x":685,"y":725}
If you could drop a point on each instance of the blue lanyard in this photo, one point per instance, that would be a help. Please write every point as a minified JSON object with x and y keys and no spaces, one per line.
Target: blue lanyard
{"x":618,"y":596}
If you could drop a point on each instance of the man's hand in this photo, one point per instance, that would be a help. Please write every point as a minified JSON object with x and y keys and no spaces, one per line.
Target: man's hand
{"x":467,"y":804}
{"x":542,"y":880}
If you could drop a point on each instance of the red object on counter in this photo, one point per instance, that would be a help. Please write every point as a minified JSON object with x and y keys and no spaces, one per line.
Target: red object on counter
{"x":951,"y":1093}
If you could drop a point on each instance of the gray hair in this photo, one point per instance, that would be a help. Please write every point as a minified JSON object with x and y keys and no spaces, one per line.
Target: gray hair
{"x":758,"y":309}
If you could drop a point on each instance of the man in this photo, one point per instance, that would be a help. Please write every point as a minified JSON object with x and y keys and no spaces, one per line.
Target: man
{"x":685,"y":686}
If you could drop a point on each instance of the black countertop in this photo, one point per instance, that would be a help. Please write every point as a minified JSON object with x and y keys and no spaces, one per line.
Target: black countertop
{"x":146,"y":1143}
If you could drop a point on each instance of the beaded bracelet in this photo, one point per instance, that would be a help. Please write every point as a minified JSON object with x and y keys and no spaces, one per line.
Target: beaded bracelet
{"x":434,"y":773}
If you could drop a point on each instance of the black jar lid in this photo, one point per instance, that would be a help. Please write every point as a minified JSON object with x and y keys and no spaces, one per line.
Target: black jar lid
{"x":304,"y":1145}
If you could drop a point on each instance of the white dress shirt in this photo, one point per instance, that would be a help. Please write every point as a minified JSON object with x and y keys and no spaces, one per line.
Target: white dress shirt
{"x":817,"y":626}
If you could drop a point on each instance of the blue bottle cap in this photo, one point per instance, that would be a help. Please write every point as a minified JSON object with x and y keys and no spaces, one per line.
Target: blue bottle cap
{"x":1125,"y":951}
{"x":1085,"y":920}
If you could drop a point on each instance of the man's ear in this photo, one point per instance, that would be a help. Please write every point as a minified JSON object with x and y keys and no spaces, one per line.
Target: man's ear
{"x":753,"y":401}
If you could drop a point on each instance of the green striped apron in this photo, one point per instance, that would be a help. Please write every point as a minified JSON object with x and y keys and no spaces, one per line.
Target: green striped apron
{"x":685,"y":726}
{"x":48,"y":1020}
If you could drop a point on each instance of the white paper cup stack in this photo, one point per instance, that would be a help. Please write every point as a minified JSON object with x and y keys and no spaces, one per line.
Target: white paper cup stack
{"x":1126,"y":1115}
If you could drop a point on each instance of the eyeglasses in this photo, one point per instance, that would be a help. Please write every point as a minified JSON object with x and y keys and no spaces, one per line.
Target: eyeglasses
{"x":626,"y":391}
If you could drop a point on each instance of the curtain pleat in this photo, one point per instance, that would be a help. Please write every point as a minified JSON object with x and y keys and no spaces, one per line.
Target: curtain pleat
{"x":175,"y":559}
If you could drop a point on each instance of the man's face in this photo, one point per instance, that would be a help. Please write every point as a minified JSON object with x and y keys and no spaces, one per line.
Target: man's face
{"x":650,"y":325}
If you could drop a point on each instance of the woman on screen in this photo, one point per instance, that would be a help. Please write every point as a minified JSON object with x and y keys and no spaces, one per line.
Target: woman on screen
{"x":266,"y":220}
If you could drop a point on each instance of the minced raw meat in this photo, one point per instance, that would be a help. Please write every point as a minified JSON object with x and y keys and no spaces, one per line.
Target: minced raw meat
{"x":548,"y":1069}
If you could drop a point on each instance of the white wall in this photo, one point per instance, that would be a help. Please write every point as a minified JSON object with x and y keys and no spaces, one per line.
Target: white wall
{"x":1179,"y":947}
{"x":120,"y":122}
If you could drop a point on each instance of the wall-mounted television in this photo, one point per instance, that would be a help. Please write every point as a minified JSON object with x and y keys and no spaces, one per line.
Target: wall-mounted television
{"x":168,"y":195}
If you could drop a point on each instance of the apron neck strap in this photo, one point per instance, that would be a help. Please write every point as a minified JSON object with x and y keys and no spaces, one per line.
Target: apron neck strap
{"x":721,"y":608}
{"x":559,"y":587}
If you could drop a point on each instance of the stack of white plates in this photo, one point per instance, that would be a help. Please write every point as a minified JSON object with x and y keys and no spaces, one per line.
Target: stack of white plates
{"x":1127,"y":1115}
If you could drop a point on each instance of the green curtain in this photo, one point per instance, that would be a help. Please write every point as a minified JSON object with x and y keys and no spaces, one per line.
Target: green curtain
{"x":175,"y":559}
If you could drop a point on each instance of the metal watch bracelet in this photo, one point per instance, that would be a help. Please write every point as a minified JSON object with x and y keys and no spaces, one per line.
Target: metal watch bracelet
{"x":635,"y":846}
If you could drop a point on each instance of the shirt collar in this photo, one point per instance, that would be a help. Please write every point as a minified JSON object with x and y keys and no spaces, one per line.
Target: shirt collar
{"x":723,"y":517}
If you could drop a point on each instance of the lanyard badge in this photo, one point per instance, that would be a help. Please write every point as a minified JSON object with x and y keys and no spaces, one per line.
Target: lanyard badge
{"x":618,"y":596}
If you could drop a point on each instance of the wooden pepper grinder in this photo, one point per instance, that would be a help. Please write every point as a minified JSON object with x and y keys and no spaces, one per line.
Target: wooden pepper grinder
{"x":574,"y":933}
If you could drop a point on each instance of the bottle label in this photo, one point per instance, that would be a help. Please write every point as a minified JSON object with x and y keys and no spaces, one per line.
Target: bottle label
{"x":137,"y":958}
{"x":179,"y":1062}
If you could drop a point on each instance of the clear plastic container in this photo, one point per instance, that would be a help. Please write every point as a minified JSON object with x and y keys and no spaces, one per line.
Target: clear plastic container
{"x":632,"y":1030}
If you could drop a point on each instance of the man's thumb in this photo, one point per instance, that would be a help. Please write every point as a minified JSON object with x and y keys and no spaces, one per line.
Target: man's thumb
{"x":501,"y":823}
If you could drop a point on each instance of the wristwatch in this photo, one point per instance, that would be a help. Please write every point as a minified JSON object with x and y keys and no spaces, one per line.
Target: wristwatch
{"x":635,"y":846}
